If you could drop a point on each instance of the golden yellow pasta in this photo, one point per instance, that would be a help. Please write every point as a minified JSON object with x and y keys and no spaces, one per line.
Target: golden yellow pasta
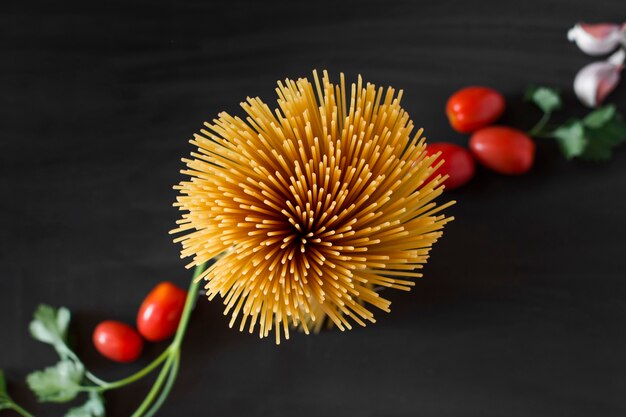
{"x":310,"y":208}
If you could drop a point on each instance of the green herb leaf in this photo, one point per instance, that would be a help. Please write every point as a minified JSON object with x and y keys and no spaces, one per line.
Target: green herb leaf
{"x":3,"y":385}
{"x":5,"y":401}
{"x":50,"y":326}
{"x":546,"y":99}
{"x":571,"y":138}
{"x":94,"y":407}
{"x":59,"y":383}
{"x":599,"y":117}
{"x":603,"y":140}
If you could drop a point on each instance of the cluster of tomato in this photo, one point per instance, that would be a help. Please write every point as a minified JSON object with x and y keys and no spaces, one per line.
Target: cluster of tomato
{"x":157,"y":320}
{"x":499,"y":148}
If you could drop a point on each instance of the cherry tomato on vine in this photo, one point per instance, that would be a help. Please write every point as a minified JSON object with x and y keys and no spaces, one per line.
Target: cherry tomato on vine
{"x":459,"y":164}
{"x":160,"y":312}
{"x":503,"y":149}
{"x":117,"y":341}
{"x":474,"y":107}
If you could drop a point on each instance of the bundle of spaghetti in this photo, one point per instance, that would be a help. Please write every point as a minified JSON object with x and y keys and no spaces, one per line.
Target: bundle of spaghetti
{"x":310,"y":208}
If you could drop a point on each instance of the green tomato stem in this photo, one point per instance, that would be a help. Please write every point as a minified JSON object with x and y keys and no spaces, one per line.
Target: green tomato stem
{"x":155,"y":388}
{"x":536,"y":129}
{"x":132,"y":378}
{"x":192,"y":296}
{"x":95,"y":379}
{"x":169,"y":383}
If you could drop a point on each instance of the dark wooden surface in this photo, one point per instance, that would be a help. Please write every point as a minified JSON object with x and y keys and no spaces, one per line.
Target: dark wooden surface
{"x":522,"y":311}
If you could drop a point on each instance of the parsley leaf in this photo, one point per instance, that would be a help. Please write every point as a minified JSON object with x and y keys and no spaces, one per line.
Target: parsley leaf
{"x":571,"y":138}
{"x":57,"y":383}
{"x":599,"y":117}
{"x":94,"y":407}
{"x":545,"y":98}
{"x":605,"y":138}
{"x":50,"y":326}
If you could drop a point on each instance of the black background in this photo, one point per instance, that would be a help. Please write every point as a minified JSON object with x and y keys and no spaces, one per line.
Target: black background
{"x":522,"y":311}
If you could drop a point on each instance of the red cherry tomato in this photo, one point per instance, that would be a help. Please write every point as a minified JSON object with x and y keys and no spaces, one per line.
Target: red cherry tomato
{"x":503,"y":149}
{"x":474,"y":107}
{"x":117,"y":341}
{"x":459,"y":164}
{"x":160,"y":312}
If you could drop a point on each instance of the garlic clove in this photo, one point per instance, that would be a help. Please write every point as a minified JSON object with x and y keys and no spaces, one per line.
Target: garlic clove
{"x":617,"y":58}
{"x":595,"y":81}
{"x":597,"y":39}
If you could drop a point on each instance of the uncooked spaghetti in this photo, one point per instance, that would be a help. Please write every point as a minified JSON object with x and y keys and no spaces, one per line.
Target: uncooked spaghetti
{"x":311,"y":207}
